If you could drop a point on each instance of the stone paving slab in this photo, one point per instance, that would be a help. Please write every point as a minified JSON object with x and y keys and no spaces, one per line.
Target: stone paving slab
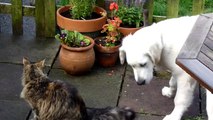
{"x":148,"y":117}
{"x":12,"y":107}
{"x":13,"y":110}
{"x":14,"y":48}
{"x":10,"y":81}
{"x":148,"y":99}
{"x":99,"y":88}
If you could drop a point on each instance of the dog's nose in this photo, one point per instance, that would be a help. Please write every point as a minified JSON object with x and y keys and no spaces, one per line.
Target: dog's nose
{"x":141,"y":82}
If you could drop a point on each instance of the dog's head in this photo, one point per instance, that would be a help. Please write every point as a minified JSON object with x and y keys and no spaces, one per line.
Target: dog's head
{"x":142,"y":54}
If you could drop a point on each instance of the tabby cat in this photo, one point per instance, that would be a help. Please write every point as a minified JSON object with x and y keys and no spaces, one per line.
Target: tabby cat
{"x":58,"y":100}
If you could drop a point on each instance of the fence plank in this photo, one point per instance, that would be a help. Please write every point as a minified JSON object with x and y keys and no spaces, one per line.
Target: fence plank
{"x":39,"y":18}
{"x":198,"y":6}
{"x":5,"y":8}
{"x":172,"y":8}
{"x":28,"y":10}
{"x":17,"y":18}
{"x":50,"y":20}
{"x":149,"y":7}
{"x":101,"y":3}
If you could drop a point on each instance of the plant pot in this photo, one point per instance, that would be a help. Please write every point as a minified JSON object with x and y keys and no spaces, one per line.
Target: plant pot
{"x":106,"y":56}
{"x":126,"y":31}
{"x":77,"y":61}
{"x":91,"y":25}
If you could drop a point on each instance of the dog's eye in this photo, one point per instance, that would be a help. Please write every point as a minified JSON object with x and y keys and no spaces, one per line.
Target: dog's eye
{"x":142,"y":65}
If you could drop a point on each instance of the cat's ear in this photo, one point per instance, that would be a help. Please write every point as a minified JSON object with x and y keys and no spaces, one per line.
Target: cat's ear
{"x":41,"y":63}
{"x":26,"y":61}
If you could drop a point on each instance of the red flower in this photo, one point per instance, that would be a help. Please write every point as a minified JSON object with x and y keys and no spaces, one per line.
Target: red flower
{"x":113,"y":22}
{"x":113,"y":6}
{"x":116,"y":6}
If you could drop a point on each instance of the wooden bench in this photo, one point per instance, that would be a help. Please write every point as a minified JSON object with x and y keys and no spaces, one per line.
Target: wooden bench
{"x":196,"y":55}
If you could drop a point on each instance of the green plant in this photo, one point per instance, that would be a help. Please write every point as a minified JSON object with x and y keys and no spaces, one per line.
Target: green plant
{"x":72,"y":38}
{"x":113,"y":35}
{"x":82,"y":9}
{"x":130,"y":14}
{"x":63,"y":2}
{"x":160,"y":7}
{"x":208,"y":6}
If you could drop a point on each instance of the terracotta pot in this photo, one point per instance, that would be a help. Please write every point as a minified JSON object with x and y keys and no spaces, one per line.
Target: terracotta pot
{"x":81,"y":25}
{"x":77,"y":61}
{"x":106,"y":56}
{"x":126,"y":31}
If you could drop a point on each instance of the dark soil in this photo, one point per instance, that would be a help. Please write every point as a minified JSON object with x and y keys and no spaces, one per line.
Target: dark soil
{"x":132,"y":26}
{"x":93,"y":16}
{"x":102,"y":41}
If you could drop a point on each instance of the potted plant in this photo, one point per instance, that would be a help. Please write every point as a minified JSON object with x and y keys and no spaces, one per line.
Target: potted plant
{"x":130,"y":15}
{"x":106,"y":47}
{"x":76,"y":55}
{"x":82,"y":16}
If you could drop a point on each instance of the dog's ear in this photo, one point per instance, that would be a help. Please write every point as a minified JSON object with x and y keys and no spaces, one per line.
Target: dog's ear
{"x":155,"y":52}
{"x":122,"y":53}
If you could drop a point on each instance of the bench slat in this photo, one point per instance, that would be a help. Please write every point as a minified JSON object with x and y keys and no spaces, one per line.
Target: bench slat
{"x":194,"y":42}
{"x":205,"y":60}
{"x":198,"y":71}
{"x":207,"y":51}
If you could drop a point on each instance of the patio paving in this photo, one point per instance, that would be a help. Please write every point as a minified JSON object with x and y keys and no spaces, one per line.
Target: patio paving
{"x":101,"y":87}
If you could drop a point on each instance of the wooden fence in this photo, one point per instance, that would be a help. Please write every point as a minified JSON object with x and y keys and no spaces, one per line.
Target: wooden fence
{"x":172,"y":9}
{"x":44,"y":13}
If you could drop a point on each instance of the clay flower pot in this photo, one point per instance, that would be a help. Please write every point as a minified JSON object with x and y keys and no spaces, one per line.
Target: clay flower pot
{"x":91,"y":25}
{"x":106,"y":56}
{"x":77,"y":61}
{"x":126,"y":31}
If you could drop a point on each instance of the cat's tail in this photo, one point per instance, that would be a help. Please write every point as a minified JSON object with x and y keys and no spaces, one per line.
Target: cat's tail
{"x":111,"y":113}
{"x":129,"y":113}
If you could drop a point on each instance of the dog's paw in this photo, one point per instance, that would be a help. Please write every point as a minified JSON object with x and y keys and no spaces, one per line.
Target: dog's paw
{"x":171,"y":117}
{"x":166,"y":91}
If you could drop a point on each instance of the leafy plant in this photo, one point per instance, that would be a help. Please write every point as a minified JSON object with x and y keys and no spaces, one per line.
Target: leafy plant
{"x":130,"y":16}
{"x":160,"y":7}
{"x":82,"y":9}
{"x":63,"y":2}
{"x":113,"y":34}
{"x":72,"y":39}
{"x":129,"y":13}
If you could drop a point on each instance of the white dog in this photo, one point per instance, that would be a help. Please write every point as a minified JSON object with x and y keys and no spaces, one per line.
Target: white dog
{"x":158,"y":46}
